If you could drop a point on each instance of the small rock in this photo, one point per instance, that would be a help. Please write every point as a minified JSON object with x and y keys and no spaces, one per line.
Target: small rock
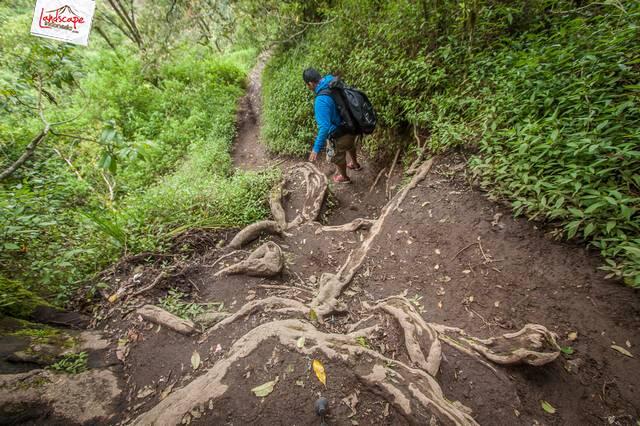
{"x":313,"y":279}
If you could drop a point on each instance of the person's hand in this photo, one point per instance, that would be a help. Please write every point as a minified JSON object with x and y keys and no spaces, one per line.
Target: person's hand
{"x":313,"y":156}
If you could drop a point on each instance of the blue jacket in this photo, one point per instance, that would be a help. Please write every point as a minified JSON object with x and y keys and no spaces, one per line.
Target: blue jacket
{"x":327,"y":115}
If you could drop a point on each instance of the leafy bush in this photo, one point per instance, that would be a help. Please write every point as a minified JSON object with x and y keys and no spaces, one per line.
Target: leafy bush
{"x":72,"y":363}
{"x":147,"y":156}
{"x":551,"y":102}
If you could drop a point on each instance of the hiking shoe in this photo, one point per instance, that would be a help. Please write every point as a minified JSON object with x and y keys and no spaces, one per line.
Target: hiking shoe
{"x":341,"y":179}
{"x":355,"y":167}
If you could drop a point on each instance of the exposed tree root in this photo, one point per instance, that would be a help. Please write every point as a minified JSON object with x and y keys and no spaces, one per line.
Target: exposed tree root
{"x":265,"y":261}
{"x":160,"y":316}
{"x":316,"y":183}
{"x":354,"y":225}
{"x":277,"y":211}
{"x":412,"y":391}
{"x":253,"y":231}
{"x":534,"y":344}
{"x":331,"y":285}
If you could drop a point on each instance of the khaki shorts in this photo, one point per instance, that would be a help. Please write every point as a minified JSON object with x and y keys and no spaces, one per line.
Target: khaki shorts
{"x":342,"y":145}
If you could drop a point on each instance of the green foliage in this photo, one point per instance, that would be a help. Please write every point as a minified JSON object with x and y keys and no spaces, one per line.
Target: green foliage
{"x":551,"y":102}
{"x":147,"y":156}
{"x":16,"y":300}
{"x":72,"y":363}
{"x":174,"y":303}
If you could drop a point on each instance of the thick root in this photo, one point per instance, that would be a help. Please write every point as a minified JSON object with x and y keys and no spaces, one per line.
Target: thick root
{"x":352,"y":226}
{"x":265,"y":261}
{"x":534,"y":344}
{"x":160,"y":316}
{"x":415,"y":329}
{"x":412,"y":391}
{"x":317,"y":185}
{"x":253,"y":231}
{"x":277,"y":211}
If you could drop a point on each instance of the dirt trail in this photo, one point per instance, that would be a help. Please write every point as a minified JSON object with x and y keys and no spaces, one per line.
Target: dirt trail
{"x":248,"y":152}
{"x":456,"y":259}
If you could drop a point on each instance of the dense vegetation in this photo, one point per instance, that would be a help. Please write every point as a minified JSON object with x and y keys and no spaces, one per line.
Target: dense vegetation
{"x":546,"y":92}
{"x":144,"y":156}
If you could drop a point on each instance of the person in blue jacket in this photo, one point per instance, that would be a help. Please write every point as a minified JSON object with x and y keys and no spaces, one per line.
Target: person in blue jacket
{"x":330,"y":128}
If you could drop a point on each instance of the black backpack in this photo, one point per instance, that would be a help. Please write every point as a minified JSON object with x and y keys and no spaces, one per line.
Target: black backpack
{"x":354,"y":107}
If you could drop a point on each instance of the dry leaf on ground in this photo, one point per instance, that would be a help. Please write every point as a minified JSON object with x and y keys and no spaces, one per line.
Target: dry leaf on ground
{"x":318,"y":368}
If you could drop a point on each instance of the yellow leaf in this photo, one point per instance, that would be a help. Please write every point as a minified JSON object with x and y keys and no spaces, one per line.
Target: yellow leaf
{"x":318,"y":368}
{"x":623,"y":351}
{"x":195,"y":360}
{"x":113,"y":298}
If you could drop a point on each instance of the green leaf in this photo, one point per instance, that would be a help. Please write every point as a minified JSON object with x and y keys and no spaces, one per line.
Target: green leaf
{"x":635,"y":251}
{"x":312,"y":315}
{"x":589,"y":229}
{"x":547,"y":407}
{"x":11,"y":246}
{"x":265,"y":388}
{"x":576,"y":212}
{"x":567,"y":350}
{"x":593,"y":207}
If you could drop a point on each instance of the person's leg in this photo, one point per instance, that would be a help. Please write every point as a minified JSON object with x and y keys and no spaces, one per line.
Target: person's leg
{"x":353,"y":156}
{"x":342,"y":144}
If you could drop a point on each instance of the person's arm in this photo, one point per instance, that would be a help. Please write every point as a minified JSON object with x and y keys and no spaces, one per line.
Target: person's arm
{"x":322,"y":110}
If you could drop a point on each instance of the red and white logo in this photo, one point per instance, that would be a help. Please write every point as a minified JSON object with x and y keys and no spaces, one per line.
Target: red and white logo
{"x":66,"y":20}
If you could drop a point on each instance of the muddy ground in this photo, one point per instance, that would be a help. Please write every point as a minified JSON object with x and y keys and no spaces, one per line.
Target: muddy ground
{"x":459,"y":257}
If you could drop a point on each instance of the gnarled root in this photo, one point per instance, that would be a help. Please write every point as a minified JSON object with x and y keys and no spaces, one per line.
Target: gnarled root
{"x":253,"y":231}
{"x":412,"y":391}
{"x":275,"y":203}
{"x":265,"y":261}
{"x":415,"y":329}
{"x":354,"y":225}
{"x":327,"y":299}
{"x":534,"y":344}
{"x":160,"y":316}
{"x":272,"y":303}
{"x":317,"y":185}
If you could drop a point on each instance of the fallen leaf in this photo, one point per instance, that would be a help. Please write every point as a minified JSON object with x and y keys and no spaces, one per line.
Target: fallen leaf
{"x":496,"y":303}
{"x":572,"y":336}
{"x":440,"y":304}
{"x":437,"y":251}
{"x":318,"y":368}
{"x":436,"y":267}
{"x":312,"y":315}
{"x":567,"y":350}
{"x":265,"y":388}
{"x":466,"y":271}
{"x":628,"y":343}
{"x":300,"y":383}
{"x":218,"y":348}
{"x":471,"y":299}
{"x":195,"y":360}
{"x":622,"y":350}
{"x":113,"y":298}
{"x":547,"y":407}
{"x":300,"y":342}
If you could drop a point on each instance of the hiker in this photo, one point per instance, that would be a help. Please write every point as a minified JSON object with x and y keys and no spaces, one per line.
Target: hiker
{"x":331,"y":128}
